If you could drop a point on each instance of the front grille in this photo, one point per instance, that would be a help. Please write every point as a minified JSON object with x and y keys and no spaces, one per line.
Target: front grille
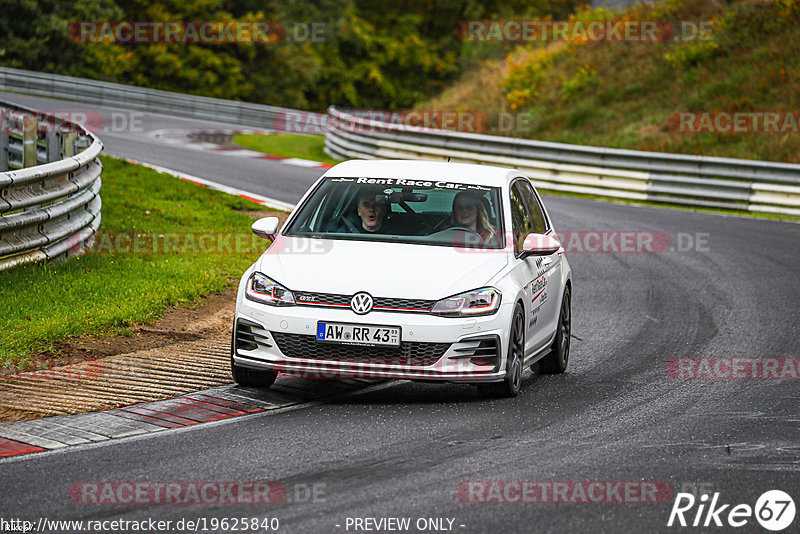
{"x":409,"y":353}
{"x":304,"y":297}
{"x":405,"y":304}
{"x":307,"y":298}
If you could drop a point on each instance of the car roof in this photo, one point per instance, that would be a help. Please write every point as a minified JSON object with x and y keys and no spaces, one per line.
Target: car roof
{"x":466,"y":173}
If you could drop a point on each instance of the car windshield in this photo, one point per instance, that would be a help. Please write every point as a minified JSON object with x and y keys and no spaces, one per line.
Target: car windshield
{"x":423,"y":211}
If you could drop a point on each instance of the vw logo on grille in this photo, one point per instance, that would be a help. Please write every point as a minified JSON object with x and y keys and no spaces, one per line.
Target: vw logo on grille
{"x":361,"y":303}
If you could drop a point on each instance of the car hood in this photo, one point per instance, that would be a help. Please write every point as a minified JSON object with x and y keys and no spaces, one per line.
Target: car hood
{"x":382,"y":269}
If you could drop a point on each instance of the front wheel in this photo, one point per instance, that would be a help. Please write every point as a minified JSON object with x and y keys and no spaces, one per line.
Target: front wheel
{"x":249,"y":377}
{"x":556,"y":362}
{"x":512,"y":383}
{"x":252,"y":377}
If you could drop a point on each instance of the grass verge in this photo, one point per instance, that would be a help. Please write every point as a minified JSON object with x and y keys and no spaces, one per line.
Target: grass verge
{"x":288,"y":146}
{"x":128,"y":277}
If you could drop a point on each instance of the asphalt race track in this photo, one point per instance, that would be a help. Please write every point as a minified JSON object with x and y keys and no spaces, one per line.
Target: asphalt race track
{"x":403,"y":449}
{"x":130,"y":134}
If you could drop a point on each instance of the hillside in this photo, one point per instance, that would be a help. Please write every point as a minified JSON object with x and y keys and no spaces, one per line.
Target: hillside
{"x":638,"y":94}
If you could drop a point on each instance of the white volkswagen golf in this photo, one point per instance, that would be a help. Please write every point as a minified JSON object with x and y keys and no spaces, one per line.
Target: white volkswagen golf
{"x":410,"y":270}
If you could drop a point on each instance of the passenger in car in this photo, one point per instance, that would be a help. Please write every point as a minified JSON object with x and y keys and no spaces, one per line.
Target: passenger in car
{"x":470,"y":212}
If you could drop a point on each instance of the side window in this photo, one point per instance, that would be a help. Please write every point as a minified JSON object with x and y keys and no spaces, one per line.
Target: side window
{"x":537,"y":215}
{"x":521,"y":223}
{"x":325,"y":218}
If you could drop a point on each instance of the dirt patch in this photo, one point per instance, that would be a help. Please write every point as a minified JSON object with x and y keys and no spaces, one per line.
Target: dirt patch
{"x":184,"y":331}
{"x":117,"y":381}
{"x":211,"y":316}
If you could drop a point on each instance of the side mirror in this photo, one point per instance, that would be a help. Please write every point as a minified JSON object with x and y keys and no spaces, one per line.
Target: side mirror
{"x":266,"y":227}
{"x":540,"y":245}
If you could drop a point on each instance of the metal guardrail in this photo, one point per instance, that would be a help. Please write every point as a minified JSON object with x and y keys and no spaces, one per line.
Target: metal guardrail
{"x":49,"y":188}
{"x":143,"y":99}
{"x":700,"y":181}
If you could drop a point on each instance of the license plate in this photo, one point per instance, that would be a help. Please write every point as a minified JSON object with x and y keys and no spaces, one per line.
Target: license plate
{"x":357,"y":334}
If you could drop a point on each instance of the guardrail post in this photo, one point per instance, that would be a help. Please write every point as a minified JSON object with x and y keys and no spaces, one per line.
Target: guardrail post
{"x":29,"y":142}
{"x":82,"y":143}
{"x":53,"y":143}
{"x":5,"y":128}
{"x":29,"y":149}
{"x":68,"y":144}
{"x":3,"y":146}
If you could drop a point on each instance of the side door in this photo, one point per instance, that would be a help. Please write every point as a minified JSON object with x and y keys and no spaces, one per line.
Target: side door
{"x":525,"y":271}
{"x":544,"y":302}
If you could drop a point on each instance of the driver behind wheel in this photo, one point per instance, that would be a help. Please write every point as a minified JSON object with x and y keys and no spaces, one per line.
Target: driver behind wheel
{"x":371,"y":211}
{"x":469,"y":212}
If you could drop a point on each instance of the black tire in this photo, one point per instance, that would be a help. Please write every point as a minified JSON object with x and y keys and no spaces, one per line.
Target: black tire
{"x":556,"y":362}
{"x":512,"y":383}
{"x":252,"y":377}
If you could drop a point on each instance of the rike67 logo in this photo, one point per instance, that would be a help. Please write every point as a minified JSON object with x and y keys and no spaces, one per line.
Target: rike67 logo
{"x":774,"y":510}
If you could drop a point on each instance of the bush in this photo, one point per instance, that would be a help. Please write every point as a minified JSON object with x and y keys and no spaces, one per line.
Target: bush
{"x":585,"y":77}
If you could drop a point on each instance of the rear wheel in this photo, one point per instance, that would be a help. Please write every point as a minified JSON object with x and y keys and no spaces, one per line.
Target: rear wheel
{"x":512,"y":383}
{"x":556,"y":362}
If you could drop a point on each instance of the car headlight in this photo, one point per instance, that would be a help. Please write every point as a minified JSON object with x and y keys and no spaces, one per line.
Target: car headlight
{"x":261,"y":288}
{"x":485,"y":301}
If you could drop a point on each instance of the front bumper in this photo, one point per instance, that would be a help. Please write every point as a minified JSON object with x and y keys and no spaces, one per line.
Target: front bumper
{"x":467,"y":350}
